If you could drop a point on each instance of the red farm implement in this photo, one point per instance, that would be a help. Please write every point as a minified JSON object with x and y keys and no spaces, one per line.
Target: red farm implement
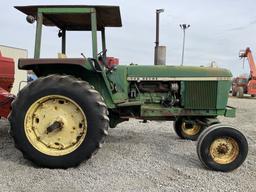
{"x":6,"y":82}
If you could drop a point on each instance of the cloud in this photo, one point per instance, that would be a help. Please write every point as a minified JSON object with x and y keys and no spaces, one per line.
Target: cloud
{"x":238,"y":28}
{"x":253,"y":22}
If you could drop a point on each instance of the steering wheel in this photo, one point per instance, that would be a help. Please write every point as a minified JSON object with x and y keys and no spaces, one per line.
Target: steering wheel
{"x":102,"y":52}
{"x":101,"y":59}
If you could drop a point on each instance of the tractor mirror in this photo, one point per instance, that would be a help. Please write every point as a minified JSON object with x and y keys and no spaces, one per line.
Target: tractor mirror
{"x":30,"y":19}
{"x":60,"y":33}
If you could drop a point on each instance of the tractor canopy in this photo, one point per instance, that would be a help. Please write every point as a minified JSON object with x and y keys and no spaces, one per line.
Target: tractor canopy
{"x":72,"y":18}
{"x":75,"y":17}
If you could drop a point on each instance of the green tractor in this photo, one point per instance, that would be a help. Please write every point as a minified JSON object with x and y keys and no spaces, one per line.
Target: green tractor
{"x":62,"y":118}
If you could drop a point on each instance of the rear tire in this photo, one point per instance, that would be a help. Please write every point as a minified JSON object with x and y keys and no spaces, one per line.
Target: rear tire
{"x":68,"y":139}
{"x":234,"y":93}
{"x":222,"y":148}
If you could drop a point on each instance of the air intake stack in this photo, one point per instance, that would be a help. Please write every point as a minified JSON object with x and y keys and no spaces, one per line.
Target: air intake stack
{"x":160,"y":51}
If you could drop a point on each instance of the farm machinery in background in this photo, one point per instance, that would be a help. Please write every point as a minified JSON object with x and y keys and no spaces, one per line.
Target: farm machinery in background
{"x":243,"y":85}
{"x":6,"y":82}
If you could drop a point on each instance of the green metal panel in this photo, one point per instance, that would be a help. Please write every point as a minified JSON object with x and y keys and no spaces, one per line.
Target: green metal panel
{"x":222,"y":97}
{"x":157,"y":110}
{"x":230,"y":112}
{"x":118,"y":79}
{"x":66,"y":10}
{"x":96,"y":80}
{"x":176,"y":71}
{"x":200,"y":94}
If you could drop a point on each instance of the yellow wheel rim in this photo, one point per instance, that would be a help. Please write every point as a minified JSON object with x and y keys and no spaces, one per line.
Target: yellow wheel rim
{"x":190,"y":131}
{"x":224,"y":150}
{"x":55,"y":125}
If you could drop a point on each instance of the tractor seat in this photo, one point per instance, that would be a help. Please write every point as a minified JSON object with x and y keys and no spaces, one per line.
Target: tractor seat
{"x":62,"y":56}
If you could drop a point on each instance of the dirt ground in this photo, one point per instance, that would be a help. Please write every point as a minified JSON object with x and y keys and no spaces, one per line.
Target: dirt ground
{"x":136,"y":157}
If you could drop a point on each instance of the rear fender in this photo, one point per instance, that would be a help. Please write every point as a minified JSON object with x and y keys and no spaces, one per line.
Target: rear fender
{"x":78,"y":68}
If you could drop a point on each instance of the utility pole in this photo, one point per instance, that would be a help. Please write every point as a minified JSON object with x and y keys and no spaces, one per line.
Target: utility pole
{"x":183,"y":27}
{"x":158,"y":11}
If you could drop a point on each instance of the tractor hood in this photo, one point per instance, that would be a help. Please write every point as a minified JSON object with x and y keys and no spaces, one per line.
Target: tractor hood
{"x":167,"y":73}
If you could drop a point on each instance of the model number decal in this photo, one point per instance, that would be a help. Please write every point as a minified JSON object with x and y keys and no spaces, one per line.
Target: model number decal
{"x":142,"y":78}
{"x":179,"y":78}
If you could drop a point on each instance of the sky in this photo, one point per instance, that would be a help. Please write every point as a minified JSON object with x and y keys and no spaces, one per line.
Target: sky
{"x":219,"y":30}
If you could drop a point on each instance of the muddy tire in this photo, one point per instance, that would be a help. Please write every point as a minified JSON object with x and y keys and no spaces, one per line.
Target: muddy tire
{"x":58,"y":121}
{"x":185,"y":131}
{"x":234,"y":93}
{"x":240,"y":92}
{"x":222,"y":148}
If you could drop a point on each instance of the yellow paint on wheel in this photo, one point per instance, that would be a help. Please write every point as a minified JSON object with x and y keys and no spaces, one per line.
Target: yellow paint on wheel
{"x":190,"y":131}
{"x":224,"y":150}
{"x":55,"y":125}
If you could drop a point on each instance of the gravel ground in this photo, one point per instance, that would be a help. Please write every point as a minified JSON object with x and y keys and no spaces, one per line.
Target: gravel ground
{"x":136,"y":157}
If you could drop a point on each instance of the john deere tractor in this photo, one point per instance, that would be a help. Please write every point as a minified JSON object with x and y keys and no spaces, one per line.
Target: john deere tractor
{"x":62,"y":118}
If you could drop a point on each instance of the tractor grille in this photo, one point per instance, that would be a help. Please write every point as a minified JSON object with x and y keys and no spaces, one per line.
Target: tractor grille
{"x":200,"y":94}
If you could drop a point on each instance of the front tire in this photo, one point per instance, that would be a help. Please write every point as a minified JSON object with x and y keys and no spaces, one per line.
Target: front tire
{"x":185,"y":130}
{"x":58,"y":121}
{"x":222,"y":148}
{"x":240,"y":92}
